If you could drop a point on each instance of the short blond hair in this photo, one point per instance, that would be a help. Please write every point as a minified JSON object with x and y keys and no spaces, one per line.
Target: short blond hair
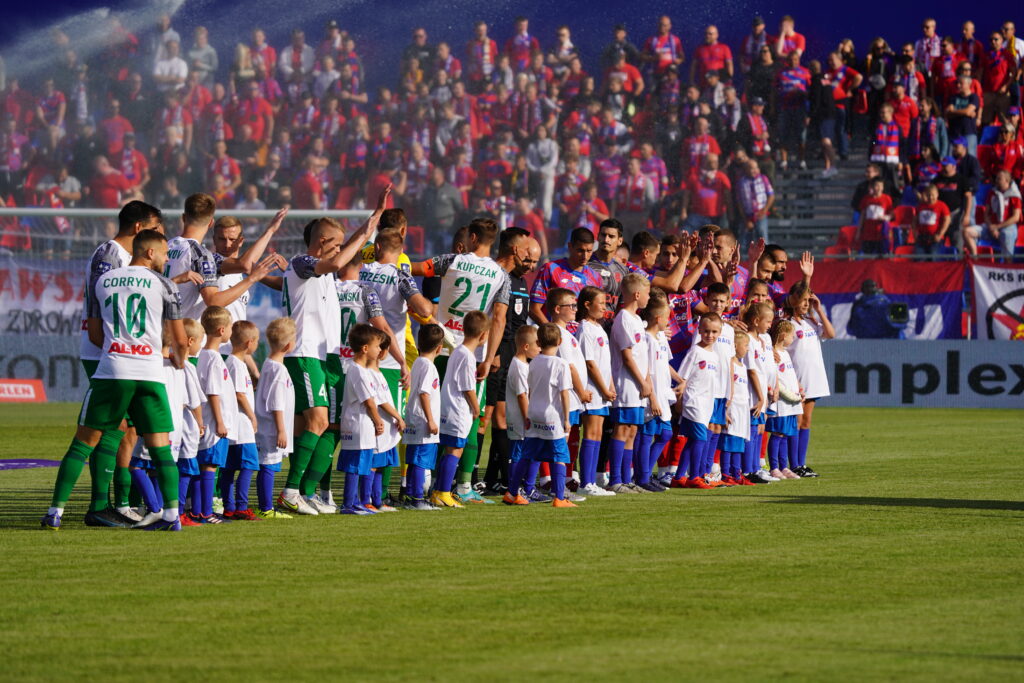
{"x":243,"y":332}
{"x":192,"y":328}
{"x":214,"y":318}
{"x":633,"y":283}
{"x":280,"y":332}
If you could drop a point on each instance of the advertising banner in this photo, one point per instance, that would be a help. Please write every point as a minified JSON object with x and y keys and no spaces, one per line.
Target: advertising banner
{"x":999,"y":302}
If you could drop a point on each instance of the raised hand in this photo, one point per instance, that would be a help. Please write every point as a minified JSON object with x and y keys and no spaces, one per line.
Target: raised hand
{"x":807,"y":264}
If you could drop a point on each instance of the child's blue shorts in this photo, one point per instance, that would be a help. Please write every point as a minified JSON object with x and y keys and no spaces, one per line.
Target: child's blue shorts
{"x":216,"y":455}
{"x":785,"y":426}
{"x":546,"y":450}
{"x":516,"y":453}
{"x":243,"y":456}
{"x":603,"y":412}
{"x":693,"y":431}
{"x":718,"y":415}
{"x":732,"y":444}
{"x":142,"y":464}
{"x":388,"y":458}
{"x":656,"y":426}
{"x":628,"y":416}
{"x":188,"y":466}
{"x":422,"y":455}
{"x":574,"y":417}
{"x":451,"y":441}
{"x":355,"y":462}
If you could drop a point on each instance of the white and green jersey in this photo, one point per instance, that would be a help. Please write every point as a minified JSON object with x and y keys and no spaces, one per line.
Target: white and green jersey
{"x":468,"y":283}
{"x":185,"y":254}
{"x":358,"y":303}
{"x":395,"y":287}
{"x":312,"y":302}
{"x":133,"y":302}
{"x":107,"y":257}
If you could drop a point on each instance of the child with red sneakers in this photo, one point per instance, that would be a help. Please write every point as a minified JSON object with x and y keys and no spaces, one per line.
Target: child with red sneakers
{"x":699,"y":377}
{"x":243,"y":456}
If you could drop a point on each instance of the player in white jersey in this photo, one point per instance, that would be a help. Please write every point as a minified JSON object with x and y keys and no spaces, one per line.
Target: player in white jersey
{"x":811,"y":327}
{"x":310,"y":298}
{"x":760,"y":365}
{"x":596,"y":349}
{"x":784,"y":442}
{"x":134,"y":217}
{"x":126,"y":311}
{"x":471,"y":282}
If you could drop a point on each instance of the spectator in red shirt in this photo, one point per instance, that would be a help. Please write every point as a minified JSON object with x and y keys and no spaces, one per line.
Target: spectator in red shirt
{"x":114,"y":128}
{"x":998,"y":72}
{"x":931,"y":223}
{"x":307,"y":191}
{"x":711,"y":56}
{"x":133,"y":164}
{"x":664,"y":49}
{"x":629,"y":75}
{"x":481,"y":56}
{"x":255,"y":111}
{"x":789,"y":40}
{"x":521,"y":45}
{"x":1007,"y":155}
{"x":706,"y":195}
{"x":109,"y":189}
{"x":875,"y":209}
{"x":943,"y":80}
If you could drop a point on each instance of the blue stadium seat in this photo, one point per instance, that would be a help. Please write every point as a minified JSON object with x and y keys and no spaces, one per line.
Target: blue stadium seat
{"x":989,"y":135}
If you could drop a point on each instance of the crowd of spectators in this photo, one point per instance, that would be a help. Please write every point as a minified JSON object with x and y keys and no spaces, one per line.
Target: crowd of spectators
{"x":657,"y":134}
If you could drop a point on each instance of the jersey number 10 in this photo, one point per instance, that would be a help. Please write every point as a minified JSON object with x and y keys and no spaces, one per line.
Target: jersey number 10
{"x":134,"y":318}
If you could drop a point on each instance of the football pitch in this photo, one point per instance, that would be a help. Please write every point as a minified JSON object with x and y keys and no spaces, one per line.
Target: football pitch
{"x":902,"y":561}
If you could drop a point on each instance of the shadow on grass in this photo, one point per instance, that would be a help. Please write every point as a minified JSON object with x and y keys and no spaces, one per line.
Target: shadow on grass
{"x":952,"y":503}
{"x":947,"y":655}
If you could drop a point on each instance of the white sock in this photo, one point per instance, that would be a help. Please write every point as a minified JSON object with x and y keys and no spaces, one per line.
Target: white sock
{"x":170,"y":514}
{"x":672,"y":470}
{"x":290,"y":494}
{"x":124,"y":509}
{"x":55,"y":511}
{"x":543,"y":480}
{"x":462,"y":489}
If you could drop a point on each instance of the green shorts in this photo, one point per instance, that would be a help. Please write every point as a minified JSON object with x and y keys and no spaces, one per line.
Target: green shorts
{"x":309,"y":375}
{"x":334,"y":370}
{"x":89,"y":366}
{"x":108,"y":400}
{"x":441,"y":363}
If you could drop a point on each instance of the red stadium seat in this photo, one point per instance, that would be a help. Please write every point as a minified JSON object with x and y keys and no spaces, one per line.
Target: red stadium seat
{"x":416,"y":240}
{"x":903,"y":224}
{"x":903,"y":250}
{"x":985,"y":253}
{"x":847,"y":237}
{"x":837,"y":251}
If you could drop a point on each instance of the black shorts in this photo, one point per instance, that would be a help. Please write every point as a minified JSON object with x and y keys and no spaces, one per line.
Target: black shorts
{"x":496,"y":380}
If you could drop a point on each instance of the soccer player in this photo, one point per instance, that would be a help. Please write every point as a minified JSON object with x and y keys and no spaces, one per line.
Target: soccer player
{"x":811,"y":325}
{"x":471,"y":282}
{"x":571,"y":273}
{"x":459,"y":405}
{"x":632,"y":379}
{"x":517,"y":401}
{"x":361,"y":423}
{"x":126,"y":310}
{"x":220,"y":412}
{"x":591,"y":307}
{"x":116,"y":253}
{"x":243,"y":456}
{"x":275,"y":411}
{"x":422,"y":414}
{"x":548,"y":411}
{"x":699,"y":377}
{"x":310,"y":298}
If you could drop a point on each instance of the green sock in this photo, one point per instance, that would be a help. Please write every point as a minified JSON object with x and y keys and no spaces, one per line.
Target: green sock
{"x":325,"y":481}
{"x":320,"y":462}
{"x":469,"y":454}
{"x":298,"y":461}
{"x":70,"y":469}
{"x":101,"y":466}
{"x":122,"y":486}
{"x":385,"y":474}
{"x":166,"y":474}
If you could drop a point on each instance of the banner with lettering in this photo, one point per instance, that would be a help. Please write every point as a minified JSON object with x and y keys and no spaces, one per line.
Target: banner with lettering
{"x":999,"y":301}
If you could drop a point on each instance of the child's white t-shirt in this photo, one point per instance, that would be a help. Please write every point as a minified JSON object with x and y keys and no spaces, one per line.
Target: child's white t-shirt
{"x":699,"y":369}
{"x":459,"y":377}
{"x":628,"y":332}
{"x":242,"y":383}
{"x":391,"y":436}
{"x":423,"y":380}
{"x":595,"y":348}
{"x":807,"y":359}
{"x":274,"y":392}
{"x":725,"y":347}
{"x":194,"y":398}
{"x":356,"y":426}
{"x":787,"y":378}
{"x":757,"y":360}
{"x":569,"y":351}
{"x":739,"y":407}
{"x":516,"y":383}
{"x":548,"y":377}
{"x":215,"y":380}
{"x":660,"y":358}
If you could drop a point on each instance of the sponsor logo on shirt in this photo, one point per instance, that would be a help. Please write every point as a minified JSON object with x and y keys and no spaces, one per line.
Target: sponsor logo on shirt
{"x":702,"y":364}
{"x":131,"y":349}
{"x":799,"y":334}
{"x":637,"y":337}
{"x":225,"y":373}
{"x":208,"y":268}
{"x":600,"y":341}
{"x":435,"y":383}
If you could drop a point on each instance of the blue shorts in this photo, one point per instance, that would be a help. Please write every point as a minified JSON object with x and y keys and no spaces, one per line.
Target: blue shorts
{"x":516,"y":453}
{"x":603,"y":412}
{"x":546,"y":450}
{"x":759,"y":420}
{"x":451,"y":441}
{"x":355,"y":462}
{"x":693,"y":431}
{"x":732,"y":444}
{"x":188,"y":466}
{"x":422,"y":455}
{"x":243,"y":456}
{"x":142,"y":464}
{"x":216,"y":455}
{"x":656,"y":426}
{"x":718,"y":414}
{"x":276,"y":467}
{"x":388,"y":458}
{"x":574,"y":417}
{"x":628,"y":416}
{"x":785,"y":426}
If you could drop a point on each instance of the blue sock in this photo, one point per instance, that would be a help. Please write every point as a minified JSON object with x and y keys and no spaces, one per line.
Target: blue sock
{"x":588,"y":461}
{"x":774,"y":446}
{"x":378,"y":488}
{"x":365,"y":486}
{"x":616,"y":451}
{"x":709,"y":452}
{"x":184,"y":481}
{"x":657,"y":448}
{"x":726,"y":463}
{"x":690,"y":460}
{"x":158,"y":497}
{"x":531,"y":468}
{"x":515,"y":476}
{"x":794,"y":451}
{"x":418,"y":479}
{"x":750,"y":455}
{"x":265,"y":488}
{"x":208,"y":482}
{"x":350,"y":496}
{"x":805,"y":440}
{"x":558,"y":480}
{"x":736,"y":465}
{"x":642,"y":458}
{"x":627,"y":466}
{"x":446,"y":473}
{"x":242,"y":489}
{"x":145,"y":486}
{"x":226,"y":488}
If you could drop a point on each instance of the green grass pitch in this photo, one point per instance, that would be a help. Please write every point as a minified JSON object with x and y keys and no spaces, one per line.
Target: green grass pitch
{"x":903,"y":561}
